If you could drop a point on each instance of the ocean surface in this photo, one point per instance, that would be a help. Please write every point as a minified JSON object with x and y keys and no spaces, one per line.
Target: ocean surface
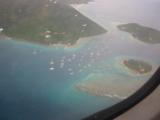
{"x":38,"y":82}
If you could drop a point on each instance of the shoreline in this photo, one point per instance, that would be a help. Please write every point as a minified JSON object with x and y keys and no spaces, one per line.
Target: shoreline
{"x":78,"y":44}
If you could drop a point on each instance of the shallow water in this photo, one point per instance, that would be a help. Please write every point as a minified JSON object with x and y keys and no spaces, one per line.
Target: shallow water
{"x":38,"y":82}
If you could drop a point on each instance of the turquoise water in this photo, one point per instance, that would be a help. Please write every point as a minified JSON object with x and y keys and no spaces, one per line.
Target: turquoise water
{"x":32,"y":91}
{"x":38,"y":82}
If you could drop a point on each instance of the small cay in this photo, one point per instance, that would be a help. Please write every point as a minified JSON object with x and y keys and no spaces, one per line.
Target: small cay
{"x":137,"y":66}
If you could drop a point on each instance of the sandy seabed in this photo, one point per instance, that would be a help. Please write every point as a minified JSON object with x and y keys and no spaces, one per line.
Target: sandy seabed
{"x":108,"y":86}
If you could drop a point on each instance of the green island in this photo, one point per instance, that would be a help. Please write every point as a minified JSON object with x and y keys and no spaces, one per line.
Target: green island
{"x":142,"y":33}
{"x":137,"y":66}
{"x":46,"y":22}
